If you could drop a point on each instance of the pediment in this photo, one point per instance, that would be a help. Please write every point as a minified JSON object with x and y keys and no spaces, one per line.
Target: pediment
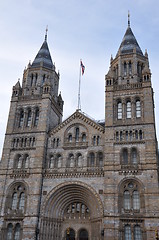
{"x":81,"y":117}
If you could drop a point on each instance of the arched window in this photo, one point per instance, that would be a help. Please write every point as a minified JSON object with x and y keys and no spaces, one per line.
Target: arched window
{"x":51,"y":162}
{"x":138,"y":68}
{"x":140,"y":135}
{"x":121,"y":135}
{"x":126,"y":136}
{"x":136,"y":134}
{"x":138,"y":109}
{"x":36,"y":117}
{"x":83,"y":208}
{"x":136,"y":200}
{"x":125,"y":69}
{"x":21,"y":119}
{"x":14,"y":200}
{"x":32,"y":77}
{"x":128,"y":109}
{"x":36,"y":77}
{"x":134,"y":156}
{"x":53,"y":144}
{"x":94,"y":140}
{"x":25,"y":142}
{"x":116,"y":72}
{"x":125,"y":156}
{"x":44,"y":76}
{"x":119,"y":110}
{"x":77,"y":134}
{"x":71,"y":161}
{"x":17,"y":232}
{"x":137,"y":233}
{"x":92,"y":159}
{"x":79,"y":160}
{"x":83,"y":137}
{"x":130,"y":135}
{"x":70,"y":138}
{"x":17,"y":199}
{"x":98,"y":140}
{"x":33,"y":144}
{"x":19,"y":161}
{"x":130,"y":197}
{"x":57,"y":142}
{"x":22,"y":201}
{"x":29,"y":118}
{"x":13,"y":143}
{"x":58,"y":161}
{"x":130,"y":68}
{"x":127,"y":200}
{"x":100,"y":159}
{"x":9,"y":231}
{"x":117,"y":136}
{"x":127,"y":232}
{"x":76,"y":210}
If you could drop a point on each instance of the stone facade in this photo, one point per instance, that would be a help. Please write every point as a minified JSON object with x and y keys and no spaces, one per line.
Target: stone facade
{"x":81,"y":178}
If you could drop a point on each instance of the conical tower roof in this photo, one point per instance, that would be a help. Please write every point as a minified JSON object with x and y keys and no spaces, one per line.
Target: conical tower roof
{"x":129,"y":42}
{"x":43,"y":58}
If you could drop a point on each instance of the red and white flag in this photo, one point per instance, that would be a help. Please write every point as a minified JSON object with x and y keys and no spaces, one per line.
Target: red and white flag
{"x":82,"y":67}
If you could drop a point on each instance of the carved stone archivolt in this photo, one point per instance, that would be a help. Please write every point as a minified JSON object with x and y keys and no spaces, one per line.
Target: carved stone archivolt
{"x":66,"y":192}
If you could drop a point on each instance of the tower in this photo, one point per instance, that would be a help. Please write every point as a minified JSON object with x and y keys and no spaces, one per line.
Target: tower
{"x":131,"y":167}
{"x":35,"y":108}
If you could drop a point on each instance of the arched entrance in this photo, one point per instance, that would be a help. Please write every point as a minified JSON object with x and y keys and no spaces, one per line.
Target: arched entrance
{"x":70,"y":234}
{"x":73,"y":204}
{"x":83,"y":234}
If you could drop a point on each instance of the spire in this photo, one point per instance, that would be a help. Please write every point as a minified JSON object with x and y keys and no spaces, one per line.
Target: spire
{"x":46,"y":33}
{"x":129,"y":42}
{"x":43,"y":57}
{"x":128,"y":19}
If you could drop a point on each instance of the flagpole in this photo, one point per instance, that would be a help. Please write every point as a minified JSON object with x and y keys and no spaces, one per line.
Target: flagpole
{"x":79,"y":87}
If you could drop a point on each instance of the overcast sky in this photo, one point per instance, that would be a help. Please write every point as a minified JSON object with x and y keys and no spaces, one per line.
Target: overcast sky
{"x":87,"y":29}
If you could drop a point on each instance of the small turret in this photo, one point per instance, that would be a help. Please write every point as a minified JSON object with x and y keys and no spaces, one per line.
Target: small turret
{"x":17,"y":90}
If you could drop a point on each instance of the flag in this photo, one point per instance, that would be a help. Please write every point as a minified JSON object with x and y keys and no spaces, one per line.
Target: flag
{"x":82,"y":67}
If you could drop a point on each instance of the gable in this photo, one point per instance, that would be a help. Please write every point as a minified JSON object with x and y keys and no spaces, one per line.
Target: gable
{"x":77,"y":131}
{"x":81,"y":118}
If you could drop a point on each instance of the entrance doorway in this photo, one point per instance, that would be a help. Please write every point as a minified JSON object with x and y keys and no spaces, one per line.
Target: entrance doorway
{"x":70,"y":234}
{"x":83,"y":234}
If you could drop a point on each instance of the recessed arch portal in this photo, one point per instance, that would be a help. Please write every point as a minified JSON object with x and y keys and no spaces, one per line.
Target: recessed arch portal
{"x":86,"y":206}
{"x":66,"y":193}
